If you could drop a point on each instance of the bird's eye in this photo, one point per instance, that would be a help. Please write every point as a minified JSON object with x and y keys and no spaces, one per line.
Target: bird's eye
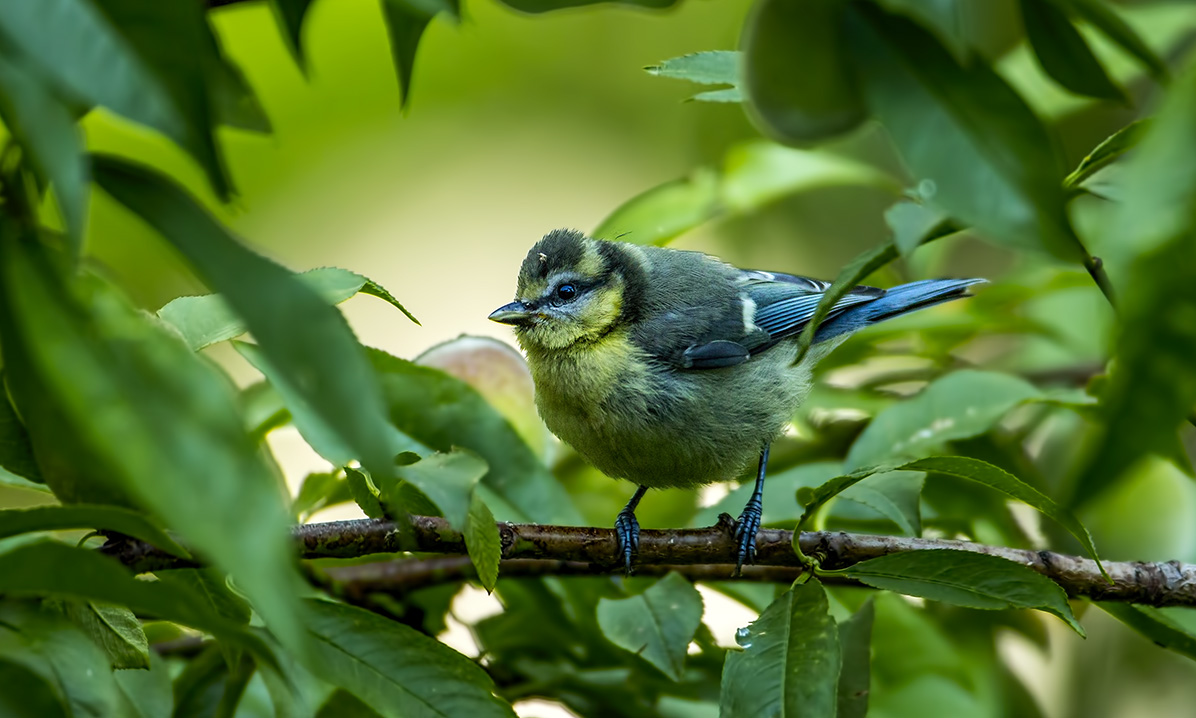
{"x":566,"y":292}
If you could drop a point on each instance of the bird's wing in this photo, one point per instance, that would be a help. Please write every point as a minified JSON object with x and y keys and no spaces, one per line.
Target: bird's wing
{"x":779,"y":306}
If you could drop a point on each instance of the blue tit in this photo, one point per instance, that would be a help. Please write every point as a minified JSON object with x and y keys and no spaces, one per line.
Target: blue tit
{"x":670,"y":368}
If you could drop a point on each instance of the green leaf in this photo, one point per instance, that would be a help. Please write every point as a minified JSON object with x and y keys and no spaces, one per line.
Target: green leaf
{"x":779,"y":489}
{"x":1104,"y":18}
{"x":147,"y":693}
{"x":234,"y":102}
{"x":483,"y":542}
{"x":77,"y":668}
{"x":307,"y":342}
{"x":1063,"y":52}
{"x":49,"y":568}
{"x":913,"y":224}
{"x":796,"y":72}
{"x":657,"y":625}
{"x":395,"y":669}
{"x":728,"y":94}
{"x":405,"y":24}
{"x":448,"y":480}
{"x":289,"y":15}
{"x":714,"y":67}
{"x":209,"y":588}
{"x":665,"y":211}
{"x":991,"y":163}
{"x":1107,"y":152}
{"x":114,"y":629}
{"x":210,"y":687}
{"x":790,"y":662}
{"x":343,"y":704}
{"x":364,"y":493}
{"x":539,"y":6}
{"x":1153,"y":385}
{"x":981,"y":472}
{"x":319,"y":490}
{"x":897,"y":495}
{"x":851,"y":275}
{"x":206,"y":320}
{"x":964,"y":578}
{"x":162,"y":422}
{"x":443,"y":412}
{"x":855,"y":677}
{"x":81,"y":516}
{"x":16,"y":451}
{"x":45,"y":127}
{"x":27,"y":692}
{"x":1154,"y":625}
{"x":957,"y":406}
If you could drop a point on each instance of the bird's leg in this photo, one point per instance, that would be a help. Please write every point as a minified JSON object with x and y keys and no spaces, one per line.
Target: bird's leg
{"x":627,"y":529}
{"x":749,"y":521}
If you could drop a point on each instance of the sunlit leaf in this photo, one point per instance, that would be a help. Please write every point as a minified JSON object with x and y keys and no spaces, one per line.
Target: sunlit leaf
{"x":790,"y":662}
{"x":1107,"y":152}
{"x":964,"y":578}
{"x":714,"y":67}
{"x":657,"y":624}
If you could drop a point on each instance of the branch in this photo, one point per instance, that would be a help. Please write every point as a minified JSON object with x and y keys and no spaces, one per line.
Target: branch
{"x":701,"y":554}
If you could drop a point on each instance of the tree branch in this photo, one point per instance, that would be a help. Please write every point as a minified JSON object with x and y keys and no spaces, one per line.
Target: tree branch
{"x":700,"y":554}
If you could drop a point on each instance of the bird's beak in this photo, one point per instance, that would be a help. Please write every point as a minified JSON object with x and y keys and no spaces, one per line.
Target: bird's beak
{"x":516,"y":313}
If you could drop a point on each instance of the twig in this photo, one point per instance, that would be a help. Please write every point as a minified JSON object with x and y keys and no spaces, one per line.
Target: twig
{"x":1096,"y":269}
{"x":570,"y":547}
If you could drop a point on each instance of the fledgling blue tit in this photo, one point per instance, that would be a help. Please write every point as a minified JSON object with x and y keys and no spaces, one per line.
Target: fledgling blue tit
{"x":671,"y":368}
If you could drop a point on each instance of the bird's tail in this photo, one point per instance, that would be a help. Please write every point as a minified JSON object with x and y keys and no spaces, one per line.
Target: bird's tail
{"x":896,"y":301}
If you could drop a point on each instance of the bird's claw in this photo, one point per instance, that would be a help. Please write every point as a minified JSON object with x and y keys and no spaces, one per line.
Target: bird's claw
{"x":627,"y":537}
{"x":745,"y":535}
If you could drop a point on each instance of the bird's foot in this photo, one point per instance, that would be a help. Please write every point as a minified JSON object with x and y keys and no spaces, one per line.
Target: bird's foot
{"x":745,"y":535}
{"x":627,"y":537}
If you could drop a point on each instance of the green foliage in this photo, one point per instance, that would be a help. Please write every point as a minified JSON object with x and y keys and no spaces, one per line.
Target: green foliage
{"x":960,"y":117}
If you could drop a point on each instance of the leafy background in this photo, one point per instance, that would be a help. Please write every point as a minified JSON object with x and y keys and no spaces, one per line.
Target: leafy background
{"x":515,"y":124}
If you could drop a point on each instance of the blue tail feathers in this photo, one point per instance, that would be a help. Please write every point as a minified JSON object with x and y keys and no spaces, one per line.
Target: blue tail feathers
{"x":894,"y":302}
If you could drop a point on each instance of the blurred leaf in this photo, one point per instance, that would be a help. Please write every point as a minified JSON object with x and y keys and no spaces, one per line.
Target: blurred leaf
{"x":1104,"y":18}
{"x":289,"y":15}
{"x":714,"y":67}
{"x":45,"y":127}
{"x":896,"y":495}
{"x":483,"y":542}
{"x":234,"y":102}
{"x":27,"y":692}
{"x":147,"y":694}
{"x":308,"y":343}
{"x":991,"y":163}
{"x":49,"y":568}
{"x":1153,"y":385}
{"x":405,"y":24}
{"x":443,"y":412}
{"x":319,"y":490}
{"x":665,"y":211}
{"x":656,"y":625}
{"x":81,"y":516}
{"x":16,"y":451}
{"x":1063,"y":52}
{"x":208,"y":587}
{"x":207,"y":319}
{"x":952,"y":21}
{"x":864,"y":264}
{"x":1154,"y":625}
{"x":61,"y":654}
{"x":163,"y":421}
{"x":448,"y":480}
{"x":913,"y":223}
{"x":395,"y":669}
{"x":1107,"y":152}
{"x":779,"y":489}
{"x":799,"y":84}
{"x":790,"y":662}
{"x":343,"y":704}
{"x":539,"y":6}
{"x":210,"y":687}
{"x":364,"y":493}
{"x":956,"y":406}
{"x":114,"y":629}
{"x":964,"y":578}
{"x":855,"y":639}
{"x":981,"y":472}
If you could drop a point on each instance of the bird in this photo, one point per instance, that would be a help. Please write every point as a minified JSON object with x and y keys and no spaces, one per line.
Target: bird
{"x":673,"y":369}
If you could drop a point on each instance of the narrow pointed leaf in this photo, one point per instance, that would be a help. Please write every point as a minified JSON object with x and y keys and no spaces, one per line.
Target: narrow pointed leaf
{"x":657,"y":624}
{"x":964,"y":578}
{"x":483,"y":542}
{"x":1063,"y":52}
{"x":82,"y":516}
{"x":1107,"y":152}
{"x":1103,"y":17}
{"x":790,"y":662}
{"x":289,"y":15}
{"x":851,"y":275}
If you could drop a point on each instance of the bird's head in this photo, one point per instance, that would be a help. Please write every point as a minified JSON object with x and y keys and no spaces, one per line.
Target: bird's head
{"x":572,"y":290}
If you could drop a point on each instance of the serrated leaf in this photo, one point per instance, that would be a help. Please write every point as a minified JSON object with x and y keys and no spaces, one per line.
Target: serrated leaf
{"x":855,"y":677}
{"x":1107,"y":152}
{"x":797,"y":76}
{"x":713,"y":67}
{"x":1063,"y":52}
{"x":114,"y":629}
{"x":657,"y":624}
{"x":790,"y":662}
{"x":964,"y":578}
{"x":397,"y":670}
{"x":729,"y":94}
{"x":45,"y":127}
{"x":959,"y":405}
{"x":443,"y":412}
{"x":162,"y":423}
{"x":851,"y":275}
{"x":1154,"y":625}
{"x":483,"y":542}
{"x":992,"y":164}
{"x":82,"y":516}
{"x":308,"y":342}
